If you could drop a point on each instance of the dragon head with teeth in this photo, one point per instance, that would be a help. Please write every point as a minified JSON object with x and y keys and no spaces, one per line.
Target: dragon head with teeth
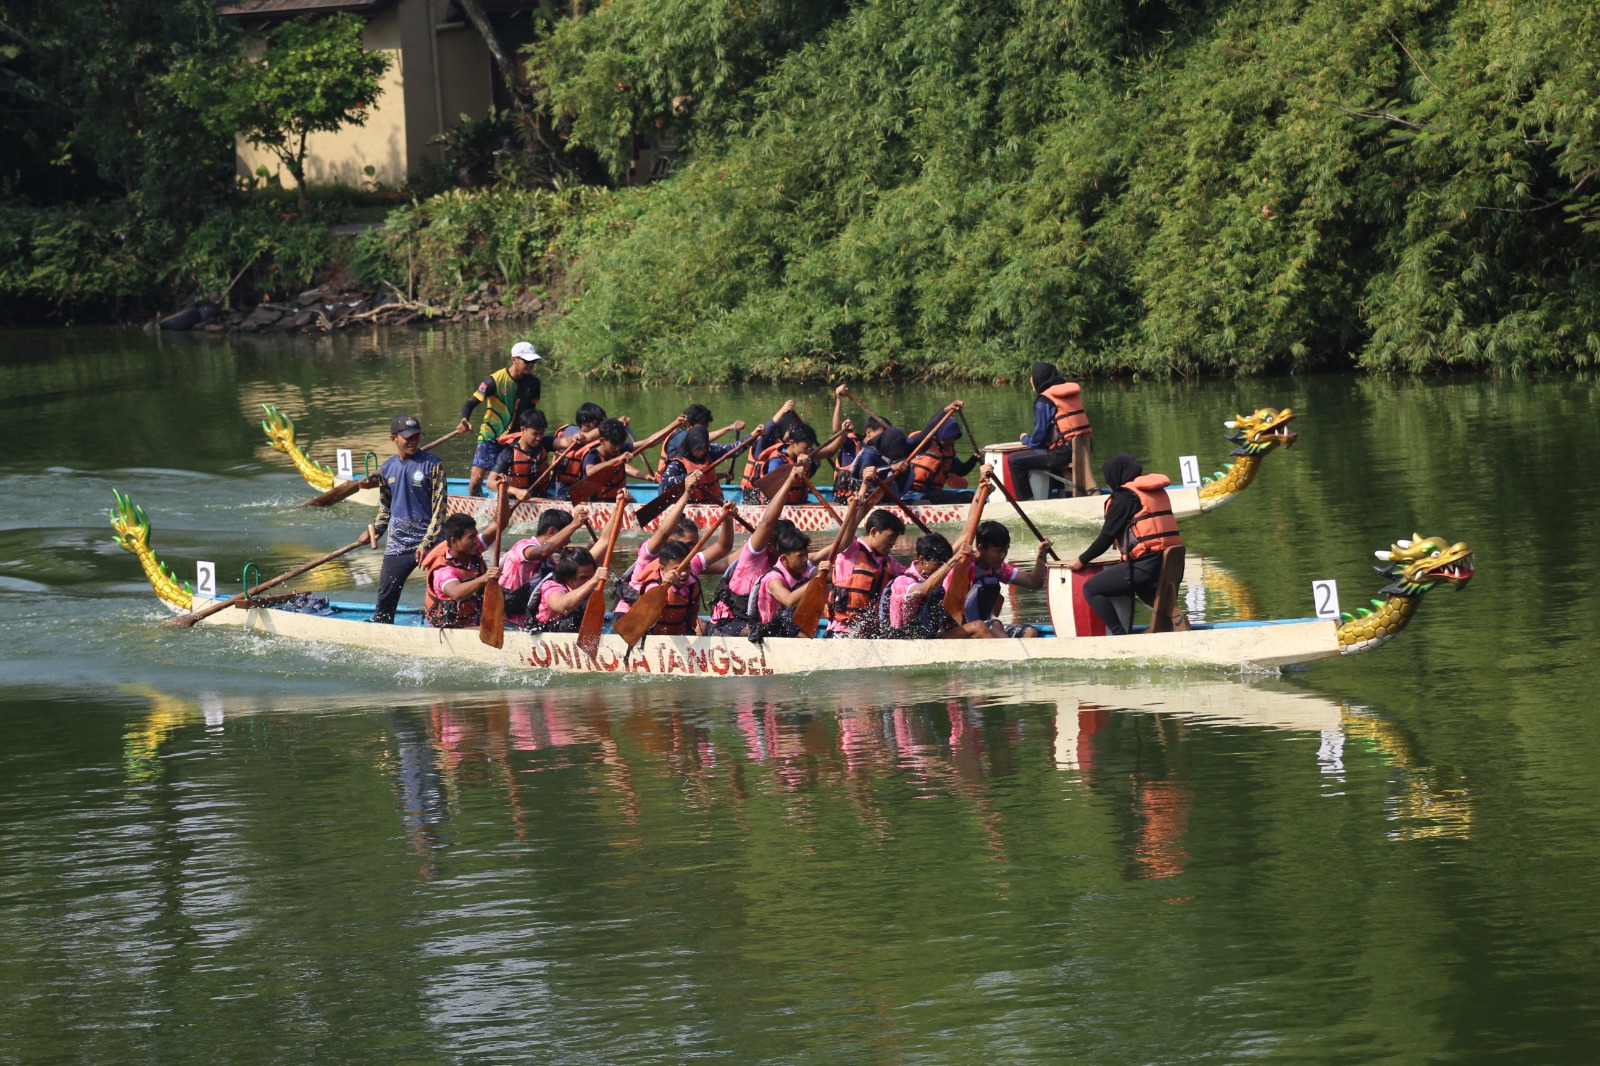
{"x":1259,"y":433}
{"x":1416,"y":565}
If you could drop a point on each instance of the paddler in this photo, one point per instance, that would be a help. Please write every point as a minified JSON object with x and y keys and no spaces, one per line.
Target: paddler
{"x":933,"y":467}
{"x":681,"y":615}
{"x":530,"y":560}
{"x":573,"y":441}
{"x":695,"y":415}
{"x":412,"y":494}
{"x":863,"y":571}
{"x":505,"y":394}
{"x":561,"y":599}
{"x":1058,"y":421}
{"x":913,"y":606}
{"x":458,"y":573}
{"x":523,"y":459}
{"x":988,"y":570}
{"x":1140,"y":522}
{"x":696,"y":454}
{"x":614,"y":442}
{"x":798,"y":448}
{"x":671,"y":527}
{"x":731,"y":615}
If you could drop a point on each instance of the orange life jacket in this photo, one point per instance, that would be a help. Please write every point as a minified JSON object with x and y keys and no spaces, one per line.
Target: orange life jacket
{"x":1070,"y":421}
{"x":525,"y":466}
{"x":709,"y":490}
{"x":1153,"y":529}
{"x":441,"y":610}
{"x":861,"y":590}
{"x":683,"y":602}
{"x":930,"y":468}
{"x":569,"y":469}
{"x":755,"y":465}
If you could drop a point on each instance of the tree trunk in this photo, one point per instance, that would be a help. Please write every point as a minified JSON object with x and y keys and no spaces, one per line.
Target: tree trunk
{"x":521,"y":96}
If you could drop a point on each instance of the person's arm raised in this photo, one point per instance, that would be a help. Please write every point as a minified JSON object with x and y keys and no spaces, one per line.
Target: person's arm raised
{"x":724,"y":543}
{"x":669,"y":520}
{"x":762,"y":536}
{"x":731,"y":427}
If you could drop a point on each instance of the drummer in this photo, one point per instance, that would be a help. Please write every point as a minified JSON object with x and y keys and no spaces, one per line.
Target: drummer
{"x":1140,"y":522}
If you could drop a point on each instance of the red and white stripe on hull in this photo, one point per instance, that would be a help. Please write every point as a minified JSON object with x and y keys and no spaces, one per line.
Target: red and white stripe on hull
{"x":809,"y":518}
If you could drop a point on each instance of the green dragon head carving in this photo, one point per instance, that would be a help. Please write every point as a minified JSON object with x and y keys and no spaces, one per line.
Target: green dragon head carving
{"x":1414,"y":567}
{"x":1259,"y":433}
{"x":1422,"y":562}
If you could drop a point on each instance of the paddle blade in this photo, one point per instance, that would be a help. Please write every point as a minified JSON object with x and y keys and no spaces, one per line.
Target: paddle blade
{"x":341,"y":492}
{"x":955,"y":592}
{"x":594,"y":620}
{"x":808,"y":612}
{"x":649,"y":512}
{"x":639,"y":618}
{"x":956,"y":481}
{"x":769,"y":484}
{"x":492,"y":622}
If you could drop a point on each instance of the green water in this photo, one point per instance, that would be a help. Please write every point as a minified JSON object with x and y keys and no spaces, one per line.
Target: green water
{"x":222,"y":847}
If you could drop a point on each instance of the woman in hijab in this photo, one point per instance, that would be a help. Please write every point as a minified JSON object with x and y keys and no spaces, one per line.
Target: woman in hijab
{"x":1037,"y":453}
{"x":1137,"y":500}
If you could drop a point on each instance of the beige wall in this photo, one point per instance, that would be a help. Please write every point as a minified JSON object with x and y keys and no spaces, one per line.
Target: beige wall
{"x":409,"y":112}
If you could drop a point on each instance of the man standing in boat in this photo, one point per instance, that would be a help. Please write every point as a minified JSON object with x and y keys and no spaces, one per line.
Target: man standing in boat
{"x":411,"y":508}
{"x":505,"y":394}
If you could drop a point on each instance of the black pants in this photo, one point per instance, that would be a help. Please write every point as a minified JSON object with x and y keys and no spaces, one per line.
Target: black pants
{"x":391,"y":582}
{"x":1055,"y":460}
{"x":1119,"y":582}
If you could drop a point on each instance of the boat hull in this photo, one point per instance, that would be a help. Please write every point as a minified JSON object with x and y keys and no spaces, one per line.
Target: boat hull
{"x":814,"y":518}
{"x":1239,"y":646}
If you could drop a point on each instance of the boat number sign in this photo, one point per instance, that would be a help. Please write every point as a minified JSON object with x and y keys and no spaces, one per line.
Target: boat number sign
{"x":344,"y":464}
{"x":1189,"y":470}
{"x":1325,"y":596}
{"x":205,"y":580}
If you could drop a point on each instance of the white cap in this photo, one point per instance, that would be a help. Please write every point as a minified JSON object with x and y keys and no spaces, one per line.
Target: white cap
{"x":524,"y":351}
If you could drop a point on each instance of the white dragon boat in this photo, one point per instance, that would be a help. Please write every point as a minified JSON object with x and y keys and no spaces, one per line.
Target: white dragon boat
{"x":1415,"y":565}
{"x":1254,"y":435}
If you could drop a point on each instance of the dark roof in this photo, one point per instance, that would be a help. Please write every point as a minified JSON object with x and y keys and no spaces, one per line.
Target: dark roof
{"x":287,"y":8}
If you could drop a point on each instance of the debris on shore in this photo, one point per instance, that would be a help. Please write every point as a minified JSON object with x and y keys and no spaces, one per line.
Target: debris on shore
{"x":323,"y":310}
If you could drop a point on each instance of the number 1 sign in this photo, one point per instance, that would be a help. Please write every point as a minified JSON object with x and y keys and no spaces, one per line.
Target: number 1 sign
{"x":1189,"y":470}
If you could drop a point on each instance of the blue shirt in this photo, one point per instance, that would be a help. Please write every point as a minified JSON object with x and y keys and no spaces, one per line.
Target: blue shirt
{"x":411,"y":494}
{"x":1044,"y":413}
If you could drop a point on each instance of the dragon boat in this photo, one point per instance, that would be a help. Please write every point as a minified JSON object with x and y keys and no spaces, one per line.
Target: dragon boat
{"x":1415,"y":565}
{"x":1253,"y":435}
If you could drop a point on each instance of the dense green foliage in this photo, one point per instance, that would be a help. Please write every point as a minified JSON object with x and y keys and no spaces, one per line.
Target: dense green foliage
{"x":945,"y":187}
{"x":96,"y":258}
{"x":443,"y":247}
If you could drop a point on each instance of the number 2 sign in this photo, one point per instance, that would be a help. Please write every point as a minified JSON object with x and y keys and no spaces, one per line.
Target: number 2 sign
{"x":1325,"y":596}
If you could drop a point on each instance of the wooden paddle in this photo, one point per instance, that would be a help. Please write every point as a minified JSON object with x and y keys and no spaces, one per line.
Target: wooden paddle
{"x":187,"y":620}
{"x":594,"y":612}
{"x":649,"y":512}
{"x":833,"y":514}
{"x":371,"y":481}
{"x":1001,"y":485}
{"x":870,"y":413}
{"x":960,"y":581}
{"x":639,"y":619}
{"x":905,"y":508}
{"x":583,"y":491}
{"x":492,"y":616}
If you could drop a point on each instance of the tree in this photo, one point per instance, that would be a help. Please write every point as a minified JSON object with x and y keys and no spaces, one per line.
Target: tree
{"x":314,"y":76}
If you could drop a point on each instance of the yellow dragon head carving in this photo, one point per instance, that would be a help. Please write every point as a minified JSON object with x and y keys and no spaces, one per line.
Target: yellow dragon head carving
{"x":132,"y":527}
{"x":1416,"y":565}
{"x":1260,"y":432}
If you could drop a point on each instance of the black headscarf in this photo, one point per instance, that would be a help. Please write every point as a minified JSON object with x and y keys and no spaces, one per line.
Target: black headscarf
{"x":1043,"y":376}
{"x":1121,"y":469}
{"x":892,"y":445}
{"x":695,"y":441}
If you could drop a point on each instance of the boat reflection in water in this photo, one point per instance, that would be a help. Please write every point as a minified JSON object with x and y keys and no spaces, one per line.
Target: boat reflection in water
{"x":1136,"y":754}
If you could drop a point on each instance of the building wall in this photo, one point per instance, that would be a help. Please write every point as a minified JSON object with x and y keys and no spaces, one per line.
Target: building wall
{"x":436,"y":76}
